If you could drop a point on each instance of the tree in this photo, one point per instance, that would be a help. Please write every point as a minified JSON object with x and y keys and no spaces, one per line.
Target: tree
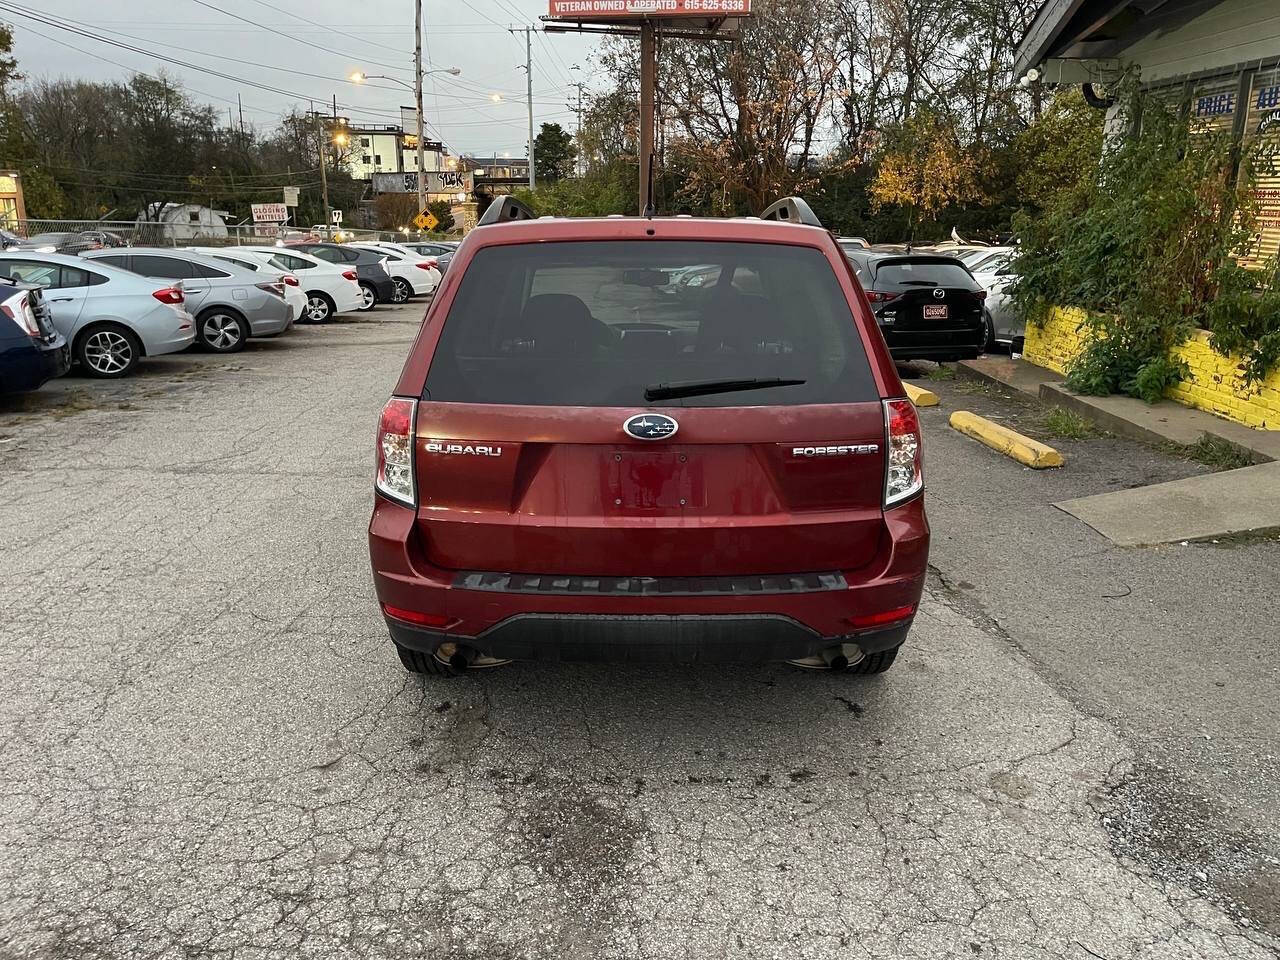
{"x":924,"y":170}
{"x":443,"y":212}
{"x":394,"y":210}
{"x":554,"y":154}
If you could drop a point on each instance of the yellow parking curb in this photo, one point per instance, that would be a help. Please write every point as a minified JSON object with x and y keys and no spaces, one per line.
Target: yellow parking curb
{"x":920,"y":396}
{"x":1026,"y":451}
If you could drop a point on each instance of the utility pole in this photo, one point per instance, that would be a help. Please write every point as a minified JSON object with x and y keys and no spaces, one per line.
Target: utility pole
{"x":579,"y":165}
{"x":417,"y":98}
{"x":324,"y":179}
{"x":528,"y":75}
{"x":648,"y":82}
{"x":240,"y":106}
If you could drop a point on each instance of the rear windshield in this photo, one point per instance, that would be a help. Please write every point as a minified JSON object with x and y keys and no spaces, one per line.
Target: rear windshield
{"x":594,"y":323}
{"x":897,"y":274}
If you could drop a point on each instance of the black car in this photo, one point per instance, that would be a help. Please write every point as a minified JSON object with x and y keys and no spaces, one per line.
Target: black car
{"x":928,"y":307}
{"x":375,"y":282}
{"x":31,"y":350}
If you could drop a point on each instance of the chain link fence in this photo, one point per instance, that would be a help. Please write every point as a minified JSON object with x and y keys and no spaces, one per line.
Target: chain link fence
{"x":180,"y":234}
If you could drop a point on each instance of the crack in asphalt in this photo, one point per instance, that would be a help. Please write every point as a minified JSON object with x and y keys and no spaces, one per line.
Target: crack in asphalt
{"x":210,"y":750}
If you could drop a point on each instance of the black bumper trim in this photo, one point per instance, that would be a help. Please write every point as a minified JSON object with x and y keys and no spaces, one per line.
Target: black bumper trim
{"x":742,"y":638}
{"x":650,"y":586}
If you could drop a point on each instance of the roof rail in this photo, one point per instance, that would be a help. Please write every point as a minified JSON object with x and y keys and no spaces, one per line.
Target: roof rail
{"x":506,"y":210}
{"x":791,"y":210}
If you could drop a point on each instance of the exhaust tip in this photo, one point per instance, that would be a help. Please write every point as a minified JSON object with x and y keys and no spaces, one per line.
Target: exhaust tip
{"x":461,"y":658}
{"x":835,"y":658}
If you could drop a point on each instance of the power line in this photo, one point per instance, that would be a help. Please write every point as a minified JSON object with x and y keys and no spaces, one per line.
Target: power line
{"x":281,"y":33}
{"x":269,"y":6}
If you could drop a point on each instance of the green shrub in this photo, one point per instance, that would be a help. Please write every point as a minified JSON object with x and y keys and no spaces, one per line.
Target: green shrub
{"x":1145,"y":247}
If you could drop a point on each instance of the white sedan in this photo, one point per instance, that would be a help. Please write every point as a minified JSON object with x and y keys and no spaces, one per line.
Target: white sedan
{"x":412,"y":272}
{"x":331,"y":288}
{"x":294,"y":295}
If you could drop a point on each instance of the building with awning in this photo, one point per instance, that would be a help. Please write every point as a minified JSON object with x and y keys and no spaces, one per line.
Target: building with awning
{"x":1220,"y":59}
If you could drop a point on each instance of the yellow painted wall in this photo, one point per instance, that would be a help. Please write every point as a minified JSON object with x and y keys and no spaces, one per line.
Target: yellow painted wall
{"x":1214,"y":383}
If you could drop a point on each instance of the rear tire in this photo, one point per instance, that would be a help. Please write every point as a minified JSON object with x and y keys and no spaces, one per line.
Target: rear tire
{"x":369,"y":297}
{"x":220,"y":330}
{"x":108,"y":351}
{"x":874,"y":663}
{"x":989,"y":331}
{"x":320,"y":307}
{"x":418,"y":661}
{"x":403,"y":291}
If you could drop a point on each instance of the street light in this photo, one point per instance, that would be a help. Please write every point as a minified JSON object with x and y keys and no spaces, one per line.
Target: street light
{"x":360,"y":77}
{"x":495,"y":97}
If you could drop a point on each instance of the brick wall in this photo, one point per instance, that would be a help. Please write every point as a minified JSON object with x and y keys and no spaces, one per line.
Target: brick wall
{"x":1213,"y":384}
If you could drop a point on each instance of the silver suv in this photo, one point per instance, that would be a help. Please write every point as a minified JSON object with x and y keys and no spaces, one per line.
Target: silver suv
{"x":230,"y":304}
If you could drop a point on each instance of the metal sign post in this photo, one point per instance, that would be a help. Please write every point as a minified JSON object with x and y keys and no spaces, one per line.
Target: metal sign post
{"x":647,"y":20}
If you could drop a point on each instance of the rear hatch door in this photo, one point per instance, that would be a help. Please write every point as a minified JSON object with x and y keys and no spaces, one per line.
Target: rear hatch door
{"x":537,"y":451}
{"x":932,"y":296}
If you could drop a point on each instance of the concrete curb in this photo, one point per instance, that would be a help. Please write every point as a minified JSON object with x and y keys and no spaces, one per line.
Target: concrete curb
{"x":1030,"y":453}
{"x":1165,"y":421}
{"x":920,"y":396}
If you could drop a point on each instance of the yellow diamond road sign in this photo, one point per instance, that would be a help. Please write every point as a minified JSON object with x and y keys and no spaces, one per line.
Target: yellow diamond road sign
{"x":425,"y":220}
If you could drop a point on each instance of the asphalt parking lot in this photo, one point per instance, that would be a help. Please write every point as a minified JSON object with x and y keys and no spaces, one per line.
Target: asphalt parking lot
{"x":211,"y":750}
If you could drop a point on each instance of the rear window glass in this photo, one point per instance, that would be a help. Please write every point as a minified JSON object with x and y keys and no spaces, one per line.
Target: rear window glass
{"x":927,"y":273}
{"x":594,"y":323}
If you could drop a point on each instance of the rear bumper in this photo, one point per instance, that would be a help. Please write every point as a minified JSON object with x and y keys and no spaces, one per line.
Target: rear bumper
{"x":578,"y":638}
{"x":679,"y":627}
{"x":936,"y":352}
{"x":908,"y":344}
{"x":382,"y":285}
{"x":31,"y":364}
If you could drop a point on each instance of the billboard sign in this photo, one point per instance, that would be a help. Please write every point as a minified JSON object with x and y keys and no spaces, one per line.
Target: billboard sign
{"x":646,"y":9}
{"x":438,"y":181}
{"x":269,"y":212}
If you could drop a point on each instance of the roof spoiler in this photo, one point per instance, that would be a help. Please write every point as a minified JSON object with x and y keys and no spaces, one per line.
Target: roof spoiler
{"x":791,"y":210}
{"x":506,"y":210}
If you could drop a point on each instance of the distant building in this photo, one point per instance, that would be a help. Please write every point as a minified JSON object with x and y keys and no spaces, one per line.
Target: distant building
{"x":185,"y":221}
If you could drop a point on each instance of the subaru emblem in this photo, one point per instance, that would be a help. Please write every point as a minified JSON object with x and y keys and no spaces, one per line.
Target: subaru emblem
{"x":939,"y":293}
{"x":650,"y":426}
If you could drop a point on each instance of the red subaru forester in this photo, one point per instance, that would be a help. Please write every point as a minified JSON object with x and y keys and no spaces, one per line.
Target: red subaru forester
{"x":649,"y":439}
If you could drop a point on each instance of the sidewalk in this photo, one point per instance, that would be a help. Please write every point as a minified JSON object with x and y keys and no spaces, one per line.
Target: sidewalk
{"x":1245,"y":500}
{"x":1165,"y":421}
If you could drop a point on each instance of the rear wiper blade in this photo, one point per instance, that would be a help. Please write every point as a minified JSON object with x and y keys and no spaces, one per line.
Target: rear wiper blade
{"x":701,"y":388}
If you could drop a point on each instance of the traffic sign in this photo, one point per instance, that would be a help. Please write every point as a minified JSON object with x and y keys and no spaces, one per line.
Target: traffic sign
{"x":426,"y":220}
{"x":336,"y":216}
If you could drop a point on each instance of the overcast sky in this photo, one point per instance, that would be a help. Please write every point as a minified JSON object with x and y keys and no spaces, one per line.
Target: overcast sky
{"x":310,"y":53}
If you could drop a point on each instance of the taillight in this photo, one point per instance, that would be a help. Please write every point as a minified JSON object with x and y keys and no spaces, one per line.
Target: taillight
{"x":882,"y":618}
{"x":879,"y":296}
{"x":173,"y":295}
{"x":427,"y":265}
{"x":351,"y":275}
{"x":274,"y":287}
{"x":394,"y":476}
{"x":415,"y":616}
{"x":980,"y":294}
{"x":290,"y":280}
{"x":23,"y":317}
{"x":904,"y":469}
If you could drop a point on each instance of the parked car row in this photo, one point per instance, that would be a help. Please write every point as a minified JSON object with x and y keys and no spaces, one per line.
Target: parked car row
{"x":108,"y":307}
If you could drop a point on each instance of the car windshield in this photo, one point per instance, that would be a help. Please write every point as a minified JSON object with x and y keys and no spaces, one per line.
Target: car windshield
{"x":595,"y":323}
